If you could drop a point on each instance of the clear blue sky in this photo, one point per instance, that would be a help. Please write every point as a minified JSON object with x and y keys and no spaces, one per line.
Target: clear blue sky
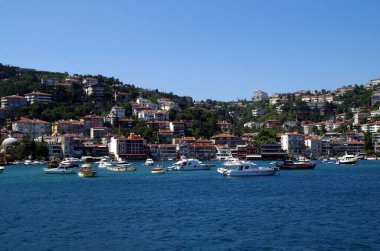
{"x":214,"y":49}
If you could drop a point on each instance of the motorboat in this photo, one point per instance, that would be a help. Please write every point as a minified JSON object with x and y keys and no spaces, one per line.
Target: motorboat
{"x":74,"y":162}
{"x":61,"y":169}
{"x":86,"y":171}
{"x":1,"y":169}
{"x":290,"y":164}
{"x":190,"y":165}
{"x":106,"y":162}
{"x":347,"y":159}
{"x":27,"y":162}
{"x":122,"y":168}
{"x":232,"y":162}
{"x":157,"y":169}
{"x":149,"y":162}
{"x":248,"y":169}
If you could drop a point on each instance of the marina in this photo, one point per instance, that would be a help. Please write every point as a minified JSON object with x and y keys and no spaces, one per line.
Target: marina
{"x":328,"y":202}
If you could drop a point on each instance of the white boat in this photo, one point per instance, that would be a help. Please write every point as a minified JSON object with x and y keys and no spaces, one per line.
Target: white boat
{"x":1,"y":169}
{"x":74,"y":162}
{"x":248,"y":169}
{"x":158,"y":169}
{"x":149,"y":162}
{"x":232,"y":162}
{"x":106,"y":162}
{"x":189,"y":165}
{"x":61,"y":169}
{"x":371,"y":158}
{"x":223,"y":152}
{"x":347,"y":159}
{"x":122,"y":168}
{"x":27,"y":162}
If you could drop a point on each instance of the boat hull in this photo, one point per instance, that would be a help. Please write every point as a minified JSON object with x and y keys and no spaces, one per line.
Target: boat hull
{"x":347,"y":162}
{"x":192,"y":168}
{"x":62,"y":171}
{"x":296,"y":167}
{"x":246,"y":173}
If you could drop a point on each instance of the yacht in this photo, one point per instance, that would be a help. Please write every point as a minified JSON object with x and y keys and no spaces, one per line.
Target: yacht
{"x":289,"y":164}
{"x":149,"y":162}
{"x":74,"y":162}
{"x":106,"y":162}
{"x":248,"y":169}
{"x":1,"y":169}
{"x":190,"y":165}
{"x":347,"y":159}
{"x":27,"y":162}
{"x":223,"y":152}
{"x":232,"y":162}
{"x":61,"y":169}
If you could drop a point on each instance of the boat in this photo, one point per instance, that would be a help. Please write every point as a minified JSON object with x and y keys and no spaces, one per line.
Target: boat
{"x":289,"y":164}
{"x":232,"y":162}
{"x":54,"y":162}
{"x":74,"y":162}
{"x":189,"y":165}
{"x":157,"y":169}
{"x":86,"y":171}
{"x":347,"y":159}
{"x":248,"y":169}
{"x":61,"y":169}
{"x":122,"y":168}
{"x":149,"y":162}
{"x":106,"y":162}
{"x":223,"y":152}
{"x":1,"y":169}
{"x":371,"y":158}
{"x":27,"y":162}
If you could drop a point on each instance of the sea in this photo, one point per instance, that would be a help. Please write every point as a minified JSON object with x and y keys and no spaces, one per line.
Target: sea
{"x":329,"y":208}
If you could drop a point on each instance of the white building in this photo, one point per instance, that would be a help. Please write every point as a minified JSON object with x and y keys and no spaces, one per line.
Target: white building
{"x":38,"y":97}
{"x":258,"y":112}
{"x":34,"y":128}
{"x":259,"y":95}
{"x":293,"y":143}
{"x":314,"y":146}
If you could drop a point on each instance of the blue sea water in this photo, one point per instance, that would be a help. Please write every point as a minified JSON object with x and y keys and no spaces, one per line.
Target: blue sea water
{"x":328,"y":208}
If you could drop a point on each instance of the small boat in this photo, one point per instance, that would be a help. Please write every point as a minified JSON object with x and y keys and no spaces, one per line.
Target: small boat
{"x":106,"y":162}
{"x":248,"y":169}
{"x":61,"y":169}
{"x":86,"y":171}
{"x":157,"y":169}
{"x":347,"y":159}
{"x":27,"y":162}
{"x":74,"y":162}
{"x":189,"y":165}
{"x":122,"y":168}
{"x":289,"y":164}
{"x":149,"y":162}
{"x":1,"y":169}
{"x":371,"y":158}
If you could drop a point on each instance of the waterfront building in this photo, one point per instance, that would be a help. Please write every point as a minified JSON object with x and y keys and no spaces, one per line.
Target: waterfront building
{"x":163,"y":151}
{"x":131,"y":148}
{"x":293,"y":143}
{"x":72,"y":145}
{"x":225,"y":139}
{"x":314,"y":146}
{"x":272,"y":151}
{"x":355,"y":147}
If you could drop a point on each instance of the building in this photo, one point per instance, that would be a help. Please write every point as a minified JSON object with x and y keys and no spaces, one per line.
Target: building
{"x":68,"y":127}
{"x":360,"y":116}
{"x":49,"y":81}
{"x":38,"y":97}
{"x":90,"y":81}
{"x":375,"y":97}
{"x":355,"y":147}
{"x":34,"y":128}
{"x":91,"y":121}
{"x":115,"y":115}
{"x":202,"y":151}
{"x":72,"y":145}
{"x":131,"y":148}
{"x":259,"y":95}
{"x":225,"y":139}
{"x":178,"y":127}
{"x":98,"y":132}
{"x":293,"y":143}
{"x":313,"y":146}
{"x":272,"y":152}
{"x":224,"y":126}
{"x":258,"y":112}
{"x":163,"y":151}
{"x":13,"y":102}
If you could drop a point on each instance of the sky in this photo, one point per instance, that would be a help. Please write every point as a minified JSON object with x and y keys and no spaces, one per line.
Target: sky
{"x":217,"y":49}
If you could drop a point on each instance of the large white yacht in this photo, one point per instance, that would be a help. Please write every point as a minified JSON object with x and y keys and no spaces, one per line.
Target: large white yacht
{"x":248,"y":169}
{"x":190,"y":165}
{"x":223,"y":152}
{"x":61,"y":169}
{"x":347,"y":159}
